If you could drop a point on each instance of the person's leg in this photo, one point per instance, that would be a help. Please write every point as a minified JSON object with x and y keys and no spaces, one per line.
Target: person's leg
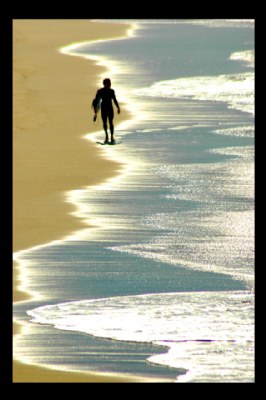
{"x":110,"y":117}
{"x":104,"y":119}
{"x":112,"y":130}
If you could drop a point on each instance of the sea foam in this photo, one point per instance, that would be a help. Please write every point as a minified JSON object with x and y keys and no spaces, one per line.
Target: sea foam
{"x":221,"y":320}
{"x":236,"y":89}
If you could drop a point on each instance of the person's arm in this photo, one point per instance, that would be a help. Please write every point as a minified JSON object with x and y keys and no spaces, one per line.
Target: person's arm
{"x":98,"y":95}
{"x":116,"y":102}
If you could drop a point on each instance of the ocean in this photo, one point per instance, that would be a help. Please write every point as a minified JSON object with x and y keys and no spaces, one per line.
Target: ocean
{"x":162,"y":286}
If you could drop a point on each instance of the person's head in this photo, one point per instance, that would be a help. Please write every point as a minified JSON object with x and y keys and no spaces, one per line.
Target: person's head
{"x":107,"y":83}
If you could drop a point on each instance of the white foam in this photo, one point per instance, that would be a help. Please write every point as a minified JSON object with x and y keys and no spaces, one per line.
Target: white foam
{"x":210,"y":23}
{"x":222,"y":23}
{"x":248,"y":56}
{"x":240,"y":131}
{"x":236,"y":89}
{"x":225,"y":318}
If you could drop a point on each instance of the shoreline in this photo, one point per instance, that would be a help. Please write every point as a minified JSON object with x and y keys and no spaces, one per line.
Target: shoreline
{"x":51,"y":157}
{"x":51,"y":154}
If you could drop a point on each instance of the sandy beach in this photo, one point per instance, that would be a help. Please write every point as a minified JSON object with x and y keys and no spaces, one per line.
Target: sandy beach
{"x":52,"y":95}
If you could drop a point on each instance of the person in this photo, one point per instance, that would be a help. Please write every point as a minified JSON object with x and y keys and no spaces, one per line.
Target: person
{"x":105,"y":96}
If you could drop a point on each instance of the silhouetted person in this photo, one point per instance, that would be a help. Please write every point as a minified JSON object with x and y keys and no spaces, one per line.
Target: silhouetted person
{"x":105,"y":96}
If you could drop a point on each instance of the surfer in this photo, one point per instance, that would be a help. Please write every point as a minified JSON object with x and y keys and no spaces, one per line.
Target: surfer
{"x":104,"y":97}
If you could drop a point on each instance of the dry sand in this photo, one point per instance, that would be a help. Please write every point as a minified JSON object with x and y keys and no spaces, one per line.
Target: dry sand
{"x":51,"y":114}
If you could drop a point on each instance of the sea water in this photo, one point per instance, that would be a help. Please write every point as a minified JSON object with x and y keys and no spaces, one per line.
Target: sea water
{"x":163,"y":285}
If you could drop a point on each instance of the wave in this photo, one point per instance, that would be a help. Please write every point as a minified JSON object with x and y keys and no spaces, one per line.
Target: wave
{"x":248,"y":56}
{"x":240,"y":131}
{"x":210,"y":23}
{"x":170,"y":319}
{"x":236,"y":89}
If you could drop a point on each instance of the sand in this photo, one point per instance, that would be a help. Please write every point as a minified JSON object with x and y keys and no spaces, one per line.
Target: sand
{"x":52,"y":114}
{"x":52,"y":95}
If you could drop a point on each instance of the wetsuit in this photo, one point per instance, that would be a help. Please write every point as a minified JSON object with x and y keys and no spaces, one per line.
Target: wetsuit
{"x":107,"y":112}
